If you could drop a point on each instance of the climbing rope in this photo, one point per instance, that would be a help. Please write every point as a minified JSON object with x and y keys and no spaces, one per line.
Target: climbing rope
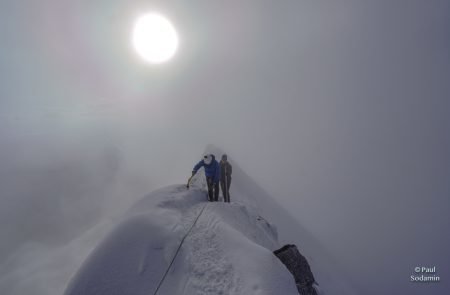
{"x":178,"y":249}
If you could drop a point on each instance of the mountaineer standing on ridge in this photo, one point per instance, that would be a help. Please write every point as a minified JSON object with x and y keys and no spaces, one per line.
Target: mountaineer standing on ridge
{"x":225,"y":177}
{"x":212,"y":173}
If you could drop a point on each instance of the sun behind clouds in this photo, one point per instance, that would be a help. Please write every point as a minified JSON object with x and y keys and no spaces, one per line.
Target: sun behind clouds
{"x":155,"y":38}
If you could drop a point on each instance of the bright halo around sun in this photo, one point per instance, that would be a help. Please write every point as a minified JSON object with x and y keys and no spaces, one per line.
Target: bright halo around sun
{"x":155,"y":38}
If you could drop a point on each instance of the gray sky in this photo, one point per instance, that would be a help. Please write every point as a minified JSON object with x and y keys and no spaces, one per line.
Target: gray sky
{"x":340,"y":109}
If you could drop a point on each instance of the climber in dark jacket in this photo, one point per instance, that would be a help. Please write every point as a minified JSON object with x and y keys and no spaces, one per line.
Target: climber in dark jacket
{"x":212,"y":173}
{"x":225,"y":177}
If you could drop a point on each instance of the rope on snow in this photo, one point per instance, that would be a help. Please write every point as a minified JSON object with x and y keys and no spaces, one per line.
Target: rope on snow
{"x":178,"y":249}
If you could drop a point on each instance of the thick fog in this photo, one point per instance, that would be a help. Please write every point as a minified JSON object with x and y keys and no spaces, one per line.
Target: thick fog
{"x":339,"y":109}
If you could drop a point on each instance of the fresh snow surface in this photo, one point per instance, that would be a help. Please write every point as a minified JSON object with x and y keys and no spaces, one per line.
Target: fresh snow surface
{"x":228,"y":250}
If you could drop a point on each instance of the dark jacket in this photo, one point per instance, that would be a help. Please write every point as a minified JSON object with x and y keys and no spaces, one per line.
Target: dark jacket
{"x":225,"y":170}
{"x":212,"y":170}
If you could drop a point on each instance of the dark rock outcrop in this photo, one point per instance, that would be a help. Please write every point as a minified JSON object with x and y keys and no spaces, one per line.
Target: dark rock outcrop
{"x":297,"y":264}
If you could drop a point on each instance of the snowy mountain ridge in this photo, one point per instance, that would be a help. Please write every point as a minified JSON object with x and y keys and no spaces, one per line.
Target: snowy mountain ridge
{"x":175,"y":242}
{"x":226,"y":252}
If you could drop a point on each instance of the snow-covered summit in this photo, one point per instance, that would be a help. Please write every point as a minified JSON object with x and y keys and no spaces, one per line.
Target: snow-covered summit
{"x":175,"y":242}
{"x":226,"y":249}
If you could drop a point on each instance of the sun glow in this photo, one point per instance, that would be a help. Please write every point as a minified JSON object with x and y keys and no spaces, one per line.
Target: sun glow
{"x":155,"y":38}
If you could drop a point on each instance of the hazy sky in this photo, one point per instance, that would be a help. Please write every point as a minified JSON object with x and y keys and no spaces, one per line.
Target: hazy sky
{"x":339,"y":109}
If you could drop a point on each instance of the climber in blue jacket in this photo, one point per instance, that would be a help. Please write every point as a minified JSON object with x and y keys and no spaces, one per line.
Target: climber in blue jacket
{"x":212,"y":173}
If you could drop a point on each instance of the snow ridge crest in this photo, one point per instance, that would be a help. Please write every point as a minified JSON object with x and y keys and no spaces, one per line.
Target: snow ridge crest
{"x":227,"y":251}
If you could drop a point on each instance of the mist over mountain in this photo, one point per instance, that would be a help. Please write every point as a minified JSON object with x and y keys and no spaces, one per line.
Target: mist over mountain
{"x":339,"y":111}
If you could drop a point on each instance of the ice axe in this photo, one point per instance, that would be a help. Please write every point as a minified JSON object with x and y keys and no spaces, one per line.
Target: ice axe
{"x":189,"y":181}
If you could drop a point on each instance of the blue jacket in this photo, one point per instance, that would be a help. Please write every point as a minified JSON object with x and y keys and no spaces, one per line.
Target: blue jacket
{"x":212,"y":170}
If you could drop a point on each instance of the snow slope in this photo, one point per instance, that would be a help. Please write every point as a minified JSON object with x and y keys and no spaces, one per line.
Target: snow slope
{"x":227,"y":251}
{"x":225,"y":248}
